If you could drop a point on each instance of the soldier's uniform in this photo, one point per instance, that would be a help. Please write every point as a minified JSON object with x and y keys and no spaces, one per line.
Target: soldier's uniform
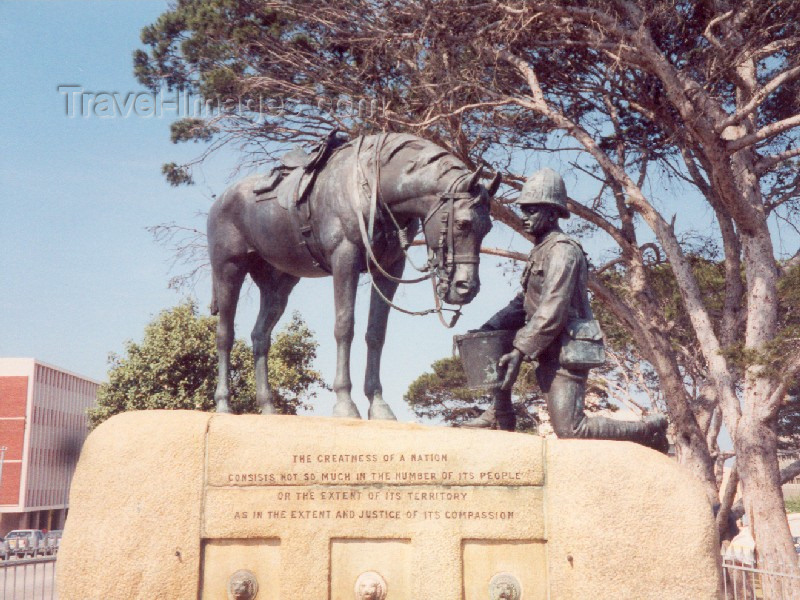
{"x":554,"y":292}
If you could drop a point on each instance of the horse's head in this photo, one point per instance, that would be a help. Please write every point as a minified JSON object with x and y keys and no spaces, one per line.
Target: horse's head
{"x":454,"y":228}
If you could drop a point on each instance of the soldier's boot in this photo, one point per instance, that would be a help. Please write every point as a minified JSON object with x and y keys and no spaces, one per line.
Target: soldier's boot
{"x":657,"y":435}
{"x":651,"y":432}
{"x":507,"y":421}
{"x":486,"y":420}
{"x":500,"y":414}
{"x":504,"y":411}
{"x":565,"y":402}
{"x":490,"y":418}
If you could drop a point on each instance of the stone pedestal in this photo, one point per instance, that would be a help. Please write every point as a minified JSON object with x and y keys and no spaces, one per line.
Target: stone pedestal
{"x":171,"y":504}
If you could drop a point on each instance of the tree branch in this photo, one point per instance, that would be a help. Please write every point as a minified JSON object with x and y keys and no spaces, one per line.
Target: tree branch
{"x":726,"y":502}
{"x":687,"y":283}
{"x":789,"y":472}
{"x":709,"y":34}
{"x":764,"y":133}
{"x":787,"y":380}
{"x":767,"y":162}
{"x":758,"y":98}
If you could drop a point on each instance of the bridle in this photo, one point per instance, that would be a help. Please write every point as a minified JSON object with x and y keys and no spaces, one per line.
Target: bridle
{"x":442,"y":258}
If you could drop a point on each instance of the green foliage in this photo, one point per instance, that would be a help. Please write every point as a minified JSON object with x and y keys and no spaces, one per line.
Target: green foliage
{"x":291,"y":355}
{"x":220,"y":83}
{"x":191,"y":129}
{"x":788,"y":425}
{"x":204,"y":45}
{"x":792,"y":505}
{"x":787,"y":342}
{"x":663,"y":292}
{"x":177,"y":174}
{"x":211,"y":48}
{"x":663,"y":287}
{"x":443,"y":395}
{"x":175,"y":367}
{"x":710,"y":275}
{"x":277,"y":70}
{"x":783,"y":348}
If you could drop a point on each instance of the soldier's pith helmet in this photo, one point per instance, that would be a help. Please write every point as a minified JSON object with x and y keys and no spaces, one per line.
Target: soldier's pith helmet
{"x":545,"y":187}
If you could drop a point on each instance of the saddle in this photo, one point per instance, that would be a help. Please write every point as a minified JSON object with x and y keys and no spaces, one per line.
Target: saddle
{"x":297,"y":158}
{"x":299,"y":169}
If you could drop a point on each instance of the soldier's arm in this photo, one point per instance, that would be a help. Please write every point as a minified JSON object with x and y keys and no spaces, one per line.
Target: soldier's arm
{"x":559,"y":279}
{"x":510,"y":317}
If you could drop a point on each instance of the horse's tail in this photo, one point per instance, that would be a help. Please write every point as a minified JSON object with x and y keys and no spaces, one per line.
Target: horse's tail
{"x":214,"y":307}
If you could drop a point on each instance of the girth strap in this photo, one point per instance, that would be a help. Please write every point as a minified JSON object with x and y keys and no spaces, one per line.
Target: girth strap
{"x":301,"y":202}
{"x":308,"y":235}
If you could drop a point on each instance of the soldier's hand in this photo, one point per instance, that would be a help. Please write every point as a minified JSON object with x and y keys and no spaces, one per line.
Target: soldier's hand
{"x":511,"y":362}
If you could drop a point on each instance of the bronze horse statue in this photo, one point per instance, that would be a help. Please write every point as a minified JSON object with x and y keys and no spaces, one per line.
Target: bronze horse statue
{"x":347,"y":210}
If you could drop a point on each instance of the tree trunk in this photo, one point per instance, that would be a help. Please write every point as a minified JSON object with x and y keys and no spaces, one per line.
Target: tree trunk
{"x":757,"y":464}
{"x":690,"y":442}
{"x":756,"y":441}
{"x":643,"y":319}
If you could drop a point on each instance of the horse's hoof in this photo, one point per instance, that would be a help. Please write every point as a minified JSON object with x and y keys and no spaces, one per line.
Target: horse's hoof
{"x":268,"y":409}
{"x":222,"y":407}
{"x":346,"y":410}
{"x":380,"y":411}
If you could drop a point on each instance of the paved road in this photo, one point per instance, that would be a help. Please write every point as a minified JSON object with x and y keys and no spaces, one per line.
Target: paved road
{"x":23,"y":580}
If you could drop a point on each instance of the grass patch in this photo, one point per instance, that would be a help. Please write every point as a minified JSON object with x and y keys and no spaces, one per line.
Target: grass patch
{"x":792,"y":505}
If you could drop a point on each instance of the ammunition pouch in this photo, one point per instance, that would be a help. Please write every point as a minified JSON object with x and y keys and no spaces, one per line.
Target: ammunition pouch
{"x":582,"y":345}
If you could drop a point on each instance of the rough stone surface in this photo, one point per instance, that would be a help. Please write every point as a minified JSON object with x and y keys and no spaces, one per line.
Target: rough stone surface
{"x":169,"y":504}
{"x":133,"y":529}
{"x":634,"y":524}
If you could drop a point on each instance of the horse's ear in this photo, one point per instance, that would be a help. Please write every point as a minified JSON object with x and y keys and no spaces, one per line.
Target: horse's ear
{"x":493,"y":187}
{"x":473,"y":181}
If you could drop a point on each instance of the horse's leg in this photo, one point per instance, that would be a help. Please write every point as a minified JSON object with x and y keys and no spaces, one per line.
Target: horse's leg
{"x":227,"y":280}
{"x":345,"y":282}
{"x":376,"y":336}
{"x":274,"y":287}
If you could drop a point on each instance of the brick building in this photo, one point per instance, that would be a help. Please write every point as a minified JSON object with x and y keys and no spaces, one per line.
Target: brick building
{"x":43,"y":424}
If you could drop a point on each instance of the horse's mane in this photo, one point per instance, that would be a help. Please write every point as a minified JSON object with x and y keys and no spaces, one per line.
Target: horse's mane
{"x":426,"y":155}
{"x":427,"y":161}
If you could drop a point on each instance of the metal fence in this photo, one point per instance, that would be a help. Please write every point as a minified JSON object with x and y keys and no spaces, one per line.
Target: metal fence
{"x":35,"y":579}
{"x":28,"y":579}
{"x":745,"y":581}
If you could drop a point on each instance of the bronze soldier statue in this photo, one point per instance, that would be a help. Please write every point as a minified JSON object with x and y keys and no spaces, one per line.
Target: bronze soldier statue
{"x":554,"y":296}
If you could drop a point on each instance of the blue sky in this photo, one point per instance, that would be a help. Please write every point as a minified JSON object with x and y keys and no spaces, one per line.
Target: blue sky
{"x":81,"y":274}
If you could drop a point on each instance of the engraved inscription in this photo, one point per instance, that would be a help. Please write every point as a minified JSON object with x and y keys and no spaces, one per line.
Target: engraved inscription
{"x":370,"y":586}
{"x":375,"y":504}
{"x":360,"y":458}
{"x":410,"y":457}
{"x":395,"y":487}
{"x":504,"y":586}
{"x":400,"y":468}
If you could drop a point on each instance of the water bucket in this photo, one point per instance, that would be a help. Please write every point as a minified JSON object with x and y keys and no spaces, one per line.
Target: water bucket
{"x":479,"y":354}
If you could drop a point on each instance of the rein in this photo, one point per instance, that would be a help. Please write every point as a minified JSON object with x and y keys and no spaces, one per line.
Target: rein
{"x":448,"y":259}
{"x":366,"y":234}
